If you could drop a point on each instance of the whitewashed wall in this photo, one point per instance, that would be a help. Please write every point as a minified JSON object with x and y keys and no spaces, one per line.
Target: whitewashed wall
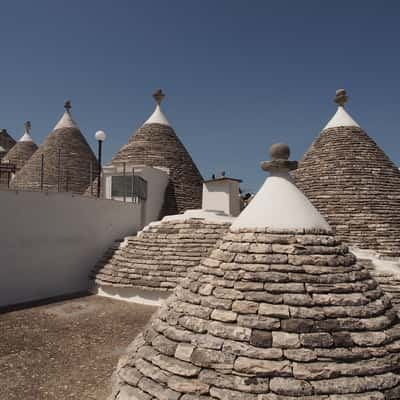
{"x":50,"y":242}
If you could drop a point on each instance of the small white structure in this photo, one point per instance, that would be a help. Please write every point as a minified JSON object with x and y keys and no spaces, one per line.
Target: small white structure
{"x":137,"y":184}
{"x":222,"y":194}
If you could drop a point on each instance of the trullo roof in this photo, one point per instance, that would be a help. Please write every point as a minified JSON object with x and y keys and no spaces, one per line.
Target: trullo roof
{"x":271,"y":314}
{"x":22,"y":151}
{"x":354,"y":184}
{"x":67,"y":160}
{"x":156,"y":144}
{"x":6,"y":142}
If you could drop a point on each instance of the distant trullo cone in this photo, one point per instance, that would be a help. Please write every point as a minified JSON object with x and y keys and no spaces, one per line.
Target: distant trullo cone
{"x":280,"y":310}
{"x":6,"y":142}
{"x":353,"y":183}
{"x":69,"y":163}
{"x":156,"y":144}
{"x":23,"y":150}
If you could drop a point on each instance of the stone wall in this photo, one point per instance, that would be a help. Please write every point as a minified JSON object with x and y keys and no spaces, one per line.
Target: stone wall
{"x":160,"y":256}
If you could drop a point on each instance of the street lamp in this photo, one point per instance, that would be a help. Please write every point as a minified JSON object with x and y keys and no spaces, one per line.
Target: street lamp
{"x":100,"y":137}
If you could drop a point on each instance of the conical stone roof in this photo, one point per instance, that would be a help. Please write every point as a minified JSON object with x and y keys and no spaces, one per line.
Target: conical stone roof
{"x":159,"y":257}
{"x":22,"y":151}
{"x":354,"y":184}
{"x":273,"y":313}
{"x":6,"y":142}
{"x":66,"y":157}
{"x":156,"y":144}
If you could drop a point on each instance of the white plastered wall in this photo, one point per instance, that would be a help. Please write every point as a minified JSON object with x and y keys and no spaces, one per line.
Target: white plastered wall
{"x":157,"y":180}
{"x":222,"y":195}
{"x":50,"y":242}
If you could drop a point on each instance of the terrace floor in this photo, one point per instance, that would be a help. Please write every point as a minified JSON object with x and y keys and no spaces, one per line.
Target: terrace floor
{"x":66,"y":350}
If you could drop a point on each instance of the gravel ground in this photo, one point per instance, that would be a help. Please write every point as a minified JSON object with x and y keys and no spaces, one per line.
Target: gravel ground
{"x":66,"y":350}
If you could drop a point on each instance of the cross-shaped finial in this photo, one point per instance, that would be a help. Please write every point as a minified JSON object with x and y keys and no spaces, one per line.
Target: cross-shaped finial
{"x":67,"y":105}
{"x":158,"y":96}
{"x":341,"y":97}
{"x":27,"y":126}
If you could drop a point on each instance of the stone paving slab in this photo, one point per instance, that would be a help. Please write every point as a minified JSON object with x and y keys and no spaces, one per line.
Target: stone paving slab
{"x":66,"y":350}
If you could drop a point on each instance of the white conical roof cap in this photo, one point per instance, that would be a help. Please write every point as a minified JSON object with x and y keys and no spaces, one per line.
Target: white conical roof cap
{"x":157,"y":117}
{"x":341,"y":118}
{"x":280,"y":205}
{"x":66,"y":120}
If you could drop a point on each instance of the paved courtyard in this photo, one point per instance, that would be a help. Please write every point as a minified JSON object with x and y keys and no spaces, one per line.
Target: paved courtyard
{"x":66,"y":350}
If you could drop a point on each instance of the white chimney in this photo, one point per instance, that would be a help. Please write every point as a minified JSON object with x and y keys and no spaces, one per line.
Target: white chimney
{"x":222,"y":194}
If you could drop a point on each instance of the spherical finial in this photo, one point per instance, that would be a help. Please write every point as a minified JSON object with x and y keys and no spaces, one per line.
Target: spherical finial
{"x":279,"y":151}
{"x":341,"y":97}
{"x":100,"y":136}
{"x":67,"y":105}
{"x":158,"y":96}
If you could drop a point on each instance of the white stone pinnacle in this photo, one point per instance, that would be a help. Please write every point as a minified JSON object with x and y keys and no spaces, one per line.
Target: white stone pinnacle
{"x":66,"y":121}
{"x":157,"y":117}
{"x":341,"y":118}
{"x":279,"y":204}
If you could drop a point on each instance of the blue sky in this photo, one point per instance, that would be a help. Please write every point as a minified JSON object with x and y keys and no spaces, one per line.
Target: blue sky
{"x":239,"y":75}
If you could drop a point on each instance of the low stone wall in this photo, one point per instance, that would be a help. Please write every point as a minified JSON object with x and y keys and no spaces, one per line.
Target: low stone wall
{"x":159,"y":257}
{"x":50,"y":241}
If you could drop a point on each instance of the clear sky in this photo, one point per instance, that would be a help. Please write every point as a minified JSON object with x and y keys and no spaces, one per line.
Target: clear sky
{"x":239,"y":75}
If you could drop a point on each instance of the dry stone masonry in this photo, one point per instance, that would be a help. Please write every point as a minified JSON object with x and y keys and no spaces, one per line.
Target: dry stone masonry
{"x":156,"y":144}
{"x":159,"y":257}
{"x":270,"y":314}
{"x":68,"y":161}
{"x":6,"y":142}
{"x":22,"y":151}
{"x":353,"y":184}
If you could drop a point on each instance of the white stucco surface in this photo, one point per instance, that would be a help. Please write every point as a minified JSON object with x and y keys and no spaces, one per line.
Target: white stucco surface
{"x":222,"y":194}
{"x":207,"y":215}
{"x":131,"y":294}
{"x":157,"y":181}
{"x":341,"y":118}
{"x":279,"y":204}
{"x":65,"y":121}
{"x":26,"y":137}
{"x":157,"y":117}
{"x":50,"y":242}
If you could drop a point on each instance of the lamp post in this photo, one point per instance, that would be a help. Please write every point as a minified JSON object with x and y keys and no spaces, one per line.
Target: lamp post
{"x":100,"y":137}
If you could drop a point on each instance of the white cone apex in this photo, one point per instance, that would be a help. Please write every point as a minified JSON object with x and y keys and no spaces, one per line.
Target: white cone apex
{"x":66,"y":121}
{"x":280,"y":205}
{"x":157,"y":117}
{"x":341,"y":118}
{"x":26,"y":137}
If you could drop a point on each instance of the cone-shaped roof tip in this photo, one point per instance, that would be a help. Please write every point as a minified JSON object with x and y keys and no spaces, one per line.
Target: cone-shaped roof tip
{"x":66,"y":120}
{"x":26,"y":137}
{"x":341,"y":117}
{"x":158,"y":116}
{"x":279,"y":204}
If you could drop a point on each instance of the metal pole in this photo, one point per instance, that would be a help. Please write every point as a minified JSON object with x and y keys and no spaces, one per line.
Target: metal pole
{"x":59,"y":170}
{"x":91,"y":177}
{"x":42,"y":173}
{"x":133,"y":183}
{"x":99,"y":171}
{"x":124,"y":180}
